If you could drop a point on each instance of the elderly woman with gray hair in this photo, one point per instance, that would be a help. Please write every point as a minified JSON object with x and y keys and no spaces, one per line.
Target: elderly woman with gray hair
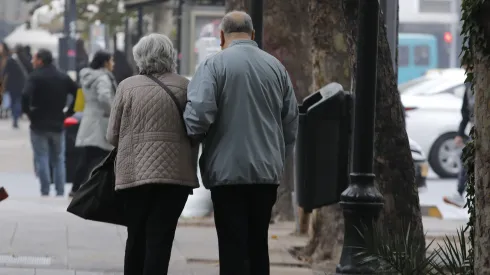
{"x":155,"y":164}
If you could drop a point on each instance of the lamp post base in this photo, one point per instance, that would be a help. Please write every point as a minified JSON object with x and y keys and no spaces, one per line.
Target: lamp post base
{"x":361,"y":203}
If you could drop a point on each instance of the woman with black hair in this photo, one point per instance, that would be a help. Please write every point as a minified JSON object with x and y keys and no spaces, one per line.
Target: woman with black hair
{"x":14,"y":77}
{"x":99,"y":88}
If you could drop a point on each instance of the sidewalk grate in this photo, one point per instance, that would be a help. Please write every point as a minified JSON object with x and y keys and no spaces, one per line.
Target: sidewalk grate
{"x":24,"y":260}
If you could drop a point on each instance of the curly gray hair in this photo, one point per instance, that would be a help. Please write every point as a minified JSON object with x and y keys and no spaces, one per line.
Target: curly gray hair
{"x":155,"y":54}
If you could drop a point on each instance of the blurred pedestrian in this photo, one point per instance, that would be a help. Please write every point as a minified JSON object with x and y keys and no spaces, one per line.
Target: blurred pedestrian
{"x":241,"y":104}
{"x":467,"y":110}
{"x":44,"y":100}
{"x":15,"y":77}
{"x":21,"y":56}
{"x":99,"y":88}
{"x":122,"y":68}
{"x":156,"y":166}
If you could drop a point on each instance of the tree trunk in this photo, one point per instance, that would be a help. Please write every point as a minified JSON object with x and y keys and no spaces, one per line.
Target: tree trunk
{"x":333,"y":56}
{"x":286,"y":38}
{"x":481,"y":83}
{"x":333,"y":59}
{"x":393,"y":163}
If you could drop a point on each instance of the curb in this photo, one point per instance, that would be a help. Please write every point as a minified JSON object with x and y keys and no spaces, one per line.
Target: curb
{"x":430,"y":211}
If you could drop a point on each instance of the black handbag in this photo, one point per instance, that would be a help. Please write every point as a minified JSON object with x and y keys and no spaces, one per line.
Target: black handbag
{"x":97,"y":199}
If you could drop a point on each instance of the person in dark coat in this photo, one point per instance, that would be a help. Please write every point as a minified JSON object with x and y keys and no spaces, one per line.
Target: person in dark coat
{"x":14,"y":76}
{"x":44,"y":100}
{"x":466,"y":117}
{"x":122,"y":68}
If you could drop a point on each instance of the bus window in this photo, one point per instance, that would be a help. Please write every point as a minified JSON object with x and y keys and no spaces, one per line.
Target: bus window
{"x":403,"y":56}
{"x":421,"y":55}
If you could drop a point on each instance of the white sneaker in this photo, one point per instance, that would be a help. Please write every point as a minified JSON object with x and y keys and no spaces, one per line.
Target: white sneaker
{"x":456,"y":200}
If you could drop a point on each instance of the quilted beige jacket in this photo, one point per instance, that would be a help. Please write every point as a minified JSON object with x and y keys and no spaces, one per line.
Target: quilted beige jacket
{"x":148,"y":131}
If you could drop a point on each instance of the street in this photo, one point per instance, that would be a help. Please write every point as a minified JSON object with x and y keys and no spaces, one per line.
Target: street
{"x":39,"y":237}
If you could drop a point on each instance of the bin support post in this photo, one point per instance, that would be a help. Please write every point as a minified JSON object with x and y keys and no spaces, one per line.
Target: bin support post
{"x":361,"y":201}
{"x":257,"y":15}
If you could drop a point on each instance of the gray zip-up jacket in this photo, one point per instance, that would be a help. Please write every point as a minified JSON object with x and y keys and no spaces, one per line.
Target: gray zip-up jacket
{"x":242,"y":101}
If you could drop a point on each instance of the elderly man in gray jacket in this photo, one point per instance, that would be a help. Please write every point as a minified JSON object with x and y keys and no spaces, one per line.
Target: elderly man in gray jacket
{"x":241,"y":104}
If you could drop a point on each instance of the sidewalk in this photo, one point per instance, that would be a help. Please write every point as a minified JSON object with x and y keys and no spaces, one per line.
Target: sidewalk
{"x":38,"y":236}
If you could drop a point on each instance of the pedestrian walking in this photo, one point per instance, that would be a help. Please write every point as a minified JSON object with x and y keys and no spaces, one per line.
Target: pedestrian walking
{"x":43,"y":101}
{"x":467,"y":110}
{"x":156,"y":165}
{"x":99,"y":88}
{"x":241,"y":104}
{"x":15,"y":78}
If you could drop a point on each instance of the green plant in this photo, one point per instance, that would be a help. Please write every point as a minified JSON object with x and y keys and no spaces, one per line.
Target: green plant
{"x":397,"y":254}
{"x":473,"y":36}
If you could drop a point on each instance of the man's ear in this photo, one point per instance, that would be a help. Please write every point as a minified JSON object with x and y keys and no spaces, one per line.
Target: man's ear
{"x":222,"y":38}
{"x":253,"y":35}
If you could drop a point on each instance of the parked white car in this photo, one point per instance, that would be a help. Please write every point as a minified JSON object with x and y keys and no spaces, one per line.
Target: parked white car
{"x":433,"y":113}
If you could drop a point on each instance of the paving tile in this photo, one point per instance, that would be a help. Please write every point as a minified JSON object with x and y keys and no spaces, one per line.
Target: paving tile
{"x":17,"y":271}
{"x":54,"y":272}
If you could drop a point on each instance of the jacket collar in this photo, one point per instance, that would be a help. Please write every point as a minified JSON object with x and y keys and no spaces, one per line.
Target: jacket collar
{"x":243,"y":42}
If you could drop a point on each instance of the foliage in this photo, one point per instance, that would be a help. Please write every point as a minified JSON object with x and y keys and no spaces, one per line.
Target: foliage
{"x":397,"y":254}
{"x":473,"y":38}
{"x":469,"y":164}
{"x":108,"y":13}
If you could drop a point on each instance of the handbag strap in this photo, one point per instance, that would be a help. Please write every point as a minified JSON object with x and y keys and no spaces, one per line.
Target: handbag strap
{"x":170,"y":93}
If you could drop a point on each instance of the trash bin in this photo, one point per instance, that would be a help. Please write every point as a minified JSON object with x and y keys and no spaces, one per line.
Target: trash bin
{"x":322,"y":147}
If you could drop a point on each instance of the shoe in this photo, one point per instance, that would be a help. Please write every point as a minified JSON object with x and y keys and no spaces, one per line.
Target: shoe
{"x":456,"y":200}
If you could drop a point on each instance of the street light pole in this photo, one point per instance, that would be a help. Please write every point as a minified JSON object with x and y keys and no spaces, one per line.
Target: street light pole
{"x":361,"y":201}
{"x":72,"y":38}
{"x":257,"y":14}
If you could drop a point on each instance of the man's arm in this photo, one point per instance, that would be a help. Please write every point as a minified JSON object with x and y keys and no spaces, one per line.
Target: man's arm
{"x":465,"y":114}
{"x":289,"y":114}
{"x":201,"y":109}
{"x":27,"y":95}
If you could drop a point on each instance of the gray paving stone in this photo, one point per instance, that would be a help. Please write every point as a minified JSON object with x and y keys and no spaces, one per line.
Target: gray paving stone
{"x":17,"y":271}
{"x":54,"y":272}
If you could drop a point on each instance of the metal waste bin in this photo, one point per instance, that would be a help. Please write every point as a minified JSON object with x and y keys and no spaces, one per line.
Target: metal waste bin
{"x":322,"y":147}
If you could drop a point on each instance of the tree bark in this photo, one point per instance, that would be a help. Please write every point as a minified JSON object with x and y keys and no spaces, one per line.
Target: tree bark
{"x":286,"y":37}
{"x":481,"y":82}
{"x":333,"y":60}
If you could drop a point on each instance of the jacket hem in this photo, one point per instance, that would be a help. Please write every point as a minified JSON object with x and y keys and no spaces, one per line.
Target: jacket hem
{"x":226,"y":183}
{"x":122,"y":186}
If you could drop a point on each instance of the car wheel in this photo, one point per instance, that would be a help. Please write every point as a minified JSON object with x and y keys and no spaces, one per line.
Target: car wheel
{"x":445,"y":156}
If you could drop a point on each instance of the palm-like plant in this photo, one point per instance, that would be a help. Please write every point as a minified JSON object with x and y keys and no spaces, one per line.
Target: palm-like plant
{"x":397,"y":254}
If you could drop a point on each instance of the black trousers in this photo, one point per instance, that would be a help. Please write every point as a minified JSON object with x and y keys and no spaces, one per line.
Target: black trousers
{"x":90,"y":157}
{"x":152,"y":212}
{"x":242,"y":214}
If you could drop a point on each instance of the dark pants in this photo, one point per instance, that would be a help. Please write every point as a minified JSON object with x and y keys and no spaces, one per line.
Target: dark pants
{"x":462,"y":177}
{"x":242,"y":214}
{"x":152,"y":212}
{"x":90,"y":157}
{"x":16,"y":108}
{"x":49,"y":152}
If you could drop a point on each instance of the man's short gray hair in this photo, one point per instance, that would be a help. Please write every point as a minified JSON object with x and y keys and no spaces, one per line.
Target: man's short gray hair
{"x":155,"y":54}
{"x":237,"y":21}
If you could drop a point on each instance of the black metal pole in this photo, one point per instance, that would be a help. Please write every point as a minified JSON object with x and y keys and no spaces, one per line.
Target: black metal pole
{"x":72,"y":39}
{"x":362,"y":201}
{"x":257,"y":14}
{"x":179,"y":34}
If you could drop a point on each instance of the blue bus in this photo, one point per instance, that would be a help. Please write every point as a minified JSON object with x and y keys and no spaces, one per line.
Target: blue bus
{"x":417,"y":53}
